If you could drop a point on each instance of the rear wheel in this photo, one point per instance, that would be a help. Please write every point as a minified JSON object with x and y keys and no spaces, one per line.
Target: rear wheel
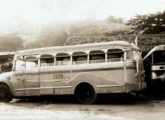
{"x":5,"y":94}
{"x":85,"y":93}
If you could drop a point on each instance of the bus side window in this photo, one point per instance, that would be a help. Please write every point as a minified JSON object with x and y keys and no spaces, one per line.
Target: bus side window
{"x":62,"y":59}
{"x":156,"y":57}
{"x":114,"y":55}
{"x":19,"y":63}
{"x":31,"y":62}
{"x":97,"y":56}
{"x":47,"y":60}
{"x":130,"y":55}
{"x":79,"y":58}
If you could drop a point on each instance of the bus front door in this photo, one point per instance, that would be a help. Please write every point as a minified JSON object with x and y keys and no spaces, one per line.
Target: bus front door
{"x":31,"y":82}
{"x":17,"y":81}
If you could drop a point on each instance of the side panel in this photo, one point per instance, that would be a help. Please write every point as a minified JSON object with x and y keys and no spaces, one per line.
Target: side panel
{"x":134,"y":78}
{"x":31,"y":82}
{"x":131,"y":73}
{"x":53,"y":80}
{"x":46,"y":82}
{"x":17,"y":82}
{"x":104,"y":77}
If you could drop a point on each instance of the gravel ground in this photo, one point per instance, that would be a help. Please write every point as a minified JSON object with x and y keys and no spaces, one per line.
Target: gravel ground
{"x":66,"y":108}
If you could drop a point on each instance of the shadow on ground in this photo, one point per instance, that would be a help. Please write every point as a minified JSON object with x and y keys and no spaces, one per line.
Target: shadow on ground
{"x":148,"y":95}
{"x":103,"y":99}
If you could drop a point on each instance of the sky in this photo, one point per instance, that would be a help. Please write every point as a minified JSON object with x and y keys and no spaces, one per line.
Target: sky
{"x":17,"y":14}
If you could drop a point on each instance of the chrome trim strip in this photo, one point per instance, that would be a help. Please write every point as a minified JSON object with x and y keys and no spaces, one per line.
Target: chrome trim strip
{"x":103,"y":86}
{"x":38,"y":88}
{"x":49,"y":80}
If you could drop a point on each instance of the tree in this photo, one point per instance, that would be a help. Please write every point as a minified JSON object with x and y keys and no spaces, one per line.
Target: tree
{"x":112,"y":19}
{"x":10,"y":42}
{"x":51,"y":35}
{"x":148,"y":24}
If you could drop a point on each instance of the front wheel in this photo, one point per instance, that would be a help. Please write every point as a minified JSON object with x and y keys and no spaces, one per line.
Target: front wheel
{"x":85,"y":94}
{"x":5,"y":94}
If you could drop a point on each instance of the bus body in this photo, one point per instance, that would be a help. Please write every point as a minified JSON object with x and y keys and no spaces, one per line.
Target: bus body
{"x":83,"y":70}
{"x":154,"y":63}
{"x":6,"y":60}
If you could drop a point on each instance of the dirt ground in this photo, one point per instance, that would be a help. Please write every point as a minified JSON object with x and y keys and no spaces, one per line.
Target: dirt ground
{"x":107,"y":107}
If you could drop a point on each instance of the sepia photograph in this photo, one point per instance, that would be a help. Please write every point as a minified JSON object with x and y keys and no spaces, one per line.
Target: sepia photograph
{"x":82,"y":59}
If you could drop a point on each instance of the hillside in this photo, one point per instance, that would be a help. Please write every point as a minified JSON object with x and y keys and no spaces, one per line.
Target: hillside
{"x":146,"y":41}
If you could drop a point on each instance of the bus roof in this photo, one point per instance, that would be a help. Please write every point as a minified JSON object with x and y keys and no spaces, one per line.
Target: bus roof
{"x":156,"y":48}
{"x":92,"y":46}
{"x":7,"y":53}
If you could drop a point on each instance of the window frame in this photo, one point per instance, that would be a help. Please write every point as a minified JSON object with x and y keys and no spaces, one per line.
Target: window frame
{"x":118,"y":51}
{"x":41,"y":57}
{"x":83,"y":54}
{"x":153,"y":57}
{"x":102,"y":52}
{"x":15,"y":63}
{"x":37,"y":60}
{"x":62,"y":61}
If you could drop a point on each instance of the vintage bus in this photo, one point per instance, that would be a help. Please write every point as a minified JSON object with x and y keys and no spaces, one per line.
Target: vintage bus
{"x":154,"y":64}
{"x":82,"y":70}
{"x":6,"y":61}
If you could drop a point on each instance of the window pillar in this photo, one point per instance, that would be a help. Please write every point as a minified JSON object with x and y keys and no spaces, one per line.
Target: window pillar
{"x":88,"y":57}
{"x":39,"y":62}
{"x":71,"y":59}
{"x":106,"y":56}
{"x":125,"y":55}
{"x":54,"y":60}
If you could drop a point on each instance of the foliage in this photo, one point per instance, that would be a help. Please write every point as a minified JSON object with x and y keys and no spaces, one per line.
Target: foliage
{"x":56,"y":34}
{"x":149,"y":24}
{"x":112,"y":19}
{"x":96,"y":28}
{"x":51,"y":35}
{"x":10,"y":42}
{"x":149,"y":40}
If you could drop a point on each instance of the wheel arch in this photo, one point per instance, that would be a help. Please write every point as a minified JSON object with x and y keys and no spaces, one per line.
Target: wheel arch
{"x":83,"y":78}
{"x":85,"y":83}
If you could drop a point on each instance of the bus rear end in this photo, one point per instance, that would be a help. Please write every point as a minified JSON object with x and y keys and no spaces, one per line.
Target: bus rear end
{"x":134,"y":72}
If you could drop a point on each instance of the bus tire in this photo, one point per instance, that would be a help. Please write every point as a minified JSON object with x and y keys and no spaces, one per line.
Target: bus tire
{"x":5,"y":93}
{"x":85,"y":93}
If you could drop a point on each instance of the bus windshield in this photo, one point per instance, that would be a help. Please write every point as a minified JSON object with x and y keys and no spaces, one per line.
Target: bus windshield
{"x":159,"y":57}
